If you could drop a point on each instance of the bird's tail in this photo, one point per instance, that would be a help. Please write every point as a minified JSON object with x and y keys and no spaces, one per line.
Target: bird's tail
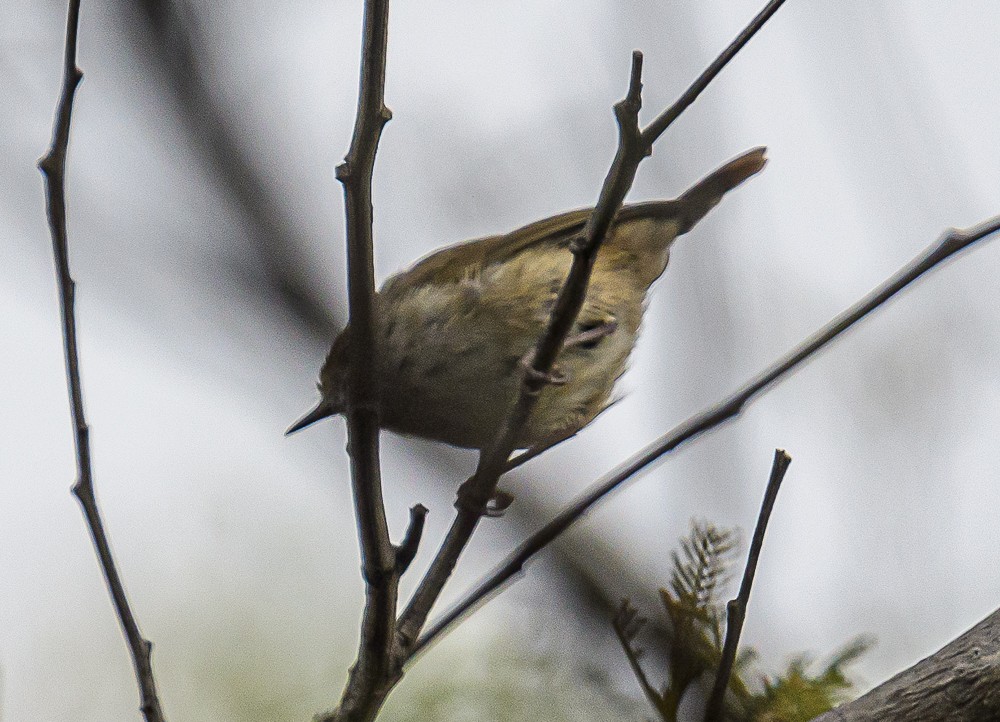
{"x":706,"y":193}
{"x":703,"y":196}
{"x":653,"y":225}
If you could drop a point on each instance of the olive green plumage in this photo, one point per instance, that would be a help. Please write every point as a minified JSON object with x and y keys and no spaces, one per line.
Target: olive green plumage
{"x":451,"y":331}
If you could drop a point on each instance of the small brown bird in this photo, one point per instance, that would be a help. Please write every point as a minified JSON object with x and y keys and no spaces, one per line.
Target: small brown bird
{"x":452,"y":331}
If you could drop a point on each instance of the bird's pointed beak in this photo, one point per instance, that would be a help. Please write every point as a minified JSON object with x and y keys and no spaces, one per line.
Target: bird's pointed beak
{"x":323,"y":409}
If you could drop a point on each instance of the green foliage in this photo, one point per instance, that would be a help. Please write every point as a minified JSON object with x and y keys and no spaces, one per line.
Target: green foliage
{"x":795,"y":696}
{"x":695,"y":618}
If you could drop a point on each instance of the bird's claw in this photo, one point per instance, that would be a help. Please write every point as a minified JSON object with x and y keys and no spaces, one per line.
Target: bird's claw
{"x":499,"y":503}
{"x":555,"y":376}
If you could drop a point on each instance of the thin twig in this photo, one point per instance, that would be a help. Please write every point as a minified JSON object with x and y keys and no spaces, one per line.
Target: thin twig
{"x":950,"y":244}
{"x":736,"y":610}
{"x":365,"y":690}
{"x":407,"y":550}
{"x":633,"y":146}
{"x":53,"y":167}
{"x":664,"y":120}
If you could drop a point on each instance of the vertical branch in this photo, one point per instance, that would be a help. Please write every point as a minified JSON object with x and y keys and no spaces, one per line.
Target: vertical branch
{"x":53,"y":168}
{"x":362,"y":697}
{"x":736,"y":610}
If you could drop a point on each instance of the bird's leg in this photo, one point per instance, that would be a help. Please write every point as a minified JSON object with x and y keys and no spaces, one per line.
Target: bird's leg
{"x":588,"y":338}
{"x":502,"y":499}
{"x":540,"y":448}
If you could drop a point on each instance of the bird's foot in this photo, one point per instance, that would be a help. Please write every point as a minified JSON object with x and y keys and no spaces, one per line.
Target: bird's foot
{"x":591,"y":336}
{"x":555,"y":376}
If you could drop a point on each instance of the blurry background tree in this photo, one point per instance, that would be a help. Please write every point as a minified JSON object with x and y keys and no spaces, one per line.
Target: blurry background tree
{"x":206,"y":222}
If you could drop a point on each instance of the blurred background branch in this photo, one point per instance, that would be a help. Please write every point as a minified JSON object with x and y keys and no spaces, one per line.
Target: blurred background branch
{"x":279,"y":276}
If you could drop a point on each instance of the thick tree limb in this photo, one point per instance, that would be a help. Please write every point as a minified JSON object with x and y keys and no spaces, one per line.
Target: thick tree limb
{"x":53,"y":167}
{"x":729,"y":408}
{"x":958,"y":683}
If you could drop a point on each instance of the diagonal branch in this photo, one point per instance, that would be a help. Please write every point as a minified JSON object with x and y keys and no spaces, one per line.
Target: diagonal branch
{"x":950,"y":244}
{"x":633,"y":146}
{"x":53,"y":167}
{"x":276,"y":274}
{"x":664,"y":120}
{"x":736,"y":610}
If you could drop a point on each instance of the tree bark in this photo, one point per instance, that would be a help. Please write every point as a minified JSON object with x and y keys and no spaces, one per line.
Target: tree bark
{"x":958,"y":683}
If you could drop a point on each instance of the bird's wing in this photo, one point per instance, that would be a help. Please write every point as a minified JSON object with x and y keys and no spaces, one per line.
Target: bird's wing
{"x":460,"y":261}
{"x":465,"y":260}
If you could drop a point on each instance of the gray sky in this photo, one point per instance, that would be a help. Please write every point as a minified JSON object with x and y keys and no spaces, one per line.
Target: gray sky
{"x":237,"y":545}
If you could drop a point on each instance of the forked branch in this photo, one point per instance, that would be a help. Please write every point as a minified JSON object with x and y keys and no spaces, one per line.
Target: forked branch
{"x":380,"y":659}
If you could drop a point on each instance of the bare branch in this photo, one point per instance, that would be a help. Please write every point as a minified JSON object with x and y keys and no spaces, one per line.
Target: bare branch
{"x":667,"y":117}
{"x":950,"y":244}
{"x":736,"y":610}
{"x":53,"y":167}
{"x":411,"y":542}
{"x":366,"y":690}
{"x":473,"y":497}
